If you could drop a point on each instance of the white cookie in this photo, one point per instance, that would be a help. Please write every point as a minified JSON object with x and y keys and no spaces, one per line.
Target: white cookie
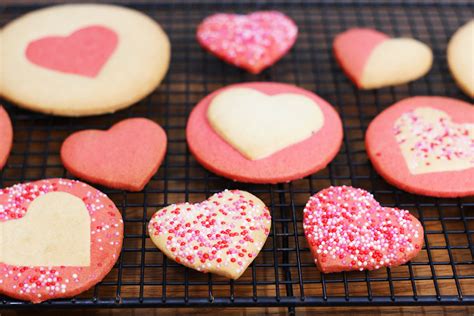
{"x":221,"y":235}
{"x":461,"y":57}
{"x":82,"y":59}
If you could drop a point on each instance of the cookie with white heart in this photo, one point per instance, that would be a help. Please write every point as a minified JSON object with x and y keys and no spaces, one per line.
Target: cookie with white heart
{"x":372,"y":59}
{"x":58,"y":238}
{"x":82,"y":59}
{"x":347,"y":230}
{"x":253,"y":42}
{"x":460,"y":57}
{"x":264,"y":132}
{"x":221,"y":235}
{"x":425,"y":145}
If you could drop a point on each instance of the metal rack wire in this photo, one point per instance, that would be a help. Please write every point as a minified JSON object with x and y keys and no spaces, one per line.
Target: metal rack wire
{"x":283,"y":274}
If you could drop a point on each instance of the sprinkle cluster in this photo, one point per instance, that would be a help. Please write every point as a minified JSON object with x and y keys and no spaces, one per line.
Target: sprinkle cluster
{"x":347,"y":229}
{"x":255,"y":39}
{"x":441,"y":139}
{"x":40,"y":283}
{"x":227,"y":230}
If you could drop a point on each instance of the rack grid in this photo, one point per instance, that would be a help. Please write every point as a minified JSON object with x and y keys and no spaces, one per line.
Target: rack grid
{"x":284,"y":273}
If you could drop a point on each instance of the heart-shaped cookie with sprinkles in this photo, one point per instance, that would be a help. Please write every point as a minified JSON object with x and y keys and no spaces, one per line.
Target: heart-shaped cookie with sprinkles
{"x":347,"y":229}
{"x":58,"y":238}
{"x":253,"y":42}
{"x":221,"y":235}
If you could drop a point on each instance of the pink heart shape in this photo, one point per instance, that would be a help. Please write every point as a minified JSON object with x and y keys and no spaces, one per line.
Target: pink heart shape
{"x":347,"y":229}
{"x":83,"y":53}
{"x":124,"y":157}
{"x":253,"y":42}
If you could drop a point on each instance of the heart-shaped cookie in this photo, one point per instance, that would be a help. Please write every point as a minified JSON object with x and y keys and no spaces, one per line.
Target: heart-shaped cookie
{"x":347,"y":229}
{"x":124,"y":157}
{"x":425,"y":145}
{"x":6,"y":136}
{"x":58,"y":238}
{"x":372,"y":59}
{"x":83,"y":53}
{"x":286,"y":157}
{"x":253,"y":42}
{"x":221,"y":235}
{"x":244,"y":118}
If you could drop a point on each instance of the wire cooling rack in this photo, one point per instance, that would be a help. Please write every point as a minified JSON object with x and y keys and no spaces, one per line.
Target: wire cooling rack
{"x":283,"y":274}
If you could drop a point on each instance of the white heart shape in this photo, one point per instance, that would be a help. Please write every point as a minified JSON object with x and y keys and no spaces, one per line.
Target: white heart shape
{"x":396,"y":61}
{"x":258,"y":125}
{"x":55,"y":231}
{"x":431,"y":142}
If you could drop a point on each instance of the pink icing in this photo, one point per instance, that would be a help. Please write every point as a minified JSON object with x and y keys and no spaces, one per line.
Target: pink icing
{"x":84,"y":52}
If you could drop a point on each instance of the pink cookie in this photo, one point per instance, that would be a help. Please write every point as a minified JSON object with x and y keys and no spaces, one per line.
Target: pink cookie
{"x":6,"y":136}
{"x":425,"y":145}
{"x":347,"y":229}
{"x":295,"y":161}
{"x":372,"y":59}
{"x":59,"y":238}
{"x":124,"y":157}
{"x":253,"y":42}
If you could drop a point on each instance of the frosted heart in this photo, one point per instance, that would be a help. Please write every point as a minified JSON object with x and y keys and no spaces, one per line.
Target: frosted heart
{"x":221,"y":235}
{"x":84,"y":52}
{"x":258,"y":125}
{"x":55,"y":231}
{"x":431,"y":142}
{"x":253,"y":42}
{"x":347,"y":229}
{"x":373,"y":60}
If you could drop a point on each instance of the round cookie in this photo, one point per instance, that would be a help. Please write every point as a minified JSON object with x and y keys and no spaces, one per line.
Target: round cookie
{"x":425,"y":145}
{"x":6,"y":136}
{"x":347,"y":229}
{"x":267,"y":136}
{"x":59,"y":238}
{"x":82,"y":59}
{"x":253,"y":42}
{"x":124,"y":157}
{"x":460,"y":57}
{"x":371,"y":59}
{"x":221,"y":235}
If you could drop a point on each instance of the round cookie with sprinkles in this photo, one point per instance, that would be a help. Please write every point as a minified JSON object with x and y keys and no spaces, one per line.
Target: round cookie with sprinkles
{"x":253,"y":42}
{"x":221,"y":235}
{"x":347,"y":229}
{"x":264,"y":132}
{"x":59,"y":238}
{"x":425,"y":145}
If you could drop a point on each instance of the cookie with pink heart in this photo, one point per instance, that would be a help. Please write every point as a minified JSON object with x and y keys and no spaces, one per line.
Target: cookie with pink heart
{"x":124,"y":157}
{"x":82,"y":59}
{"x":6,"y":136}
{"x":253,"y":42}
{"x":264,"y":132}
{"x":221,"y":235}
{"x":425,"y":145}
{"x":347,"y":230}
{"x":58,"y":238}
{"x":372,"y":59}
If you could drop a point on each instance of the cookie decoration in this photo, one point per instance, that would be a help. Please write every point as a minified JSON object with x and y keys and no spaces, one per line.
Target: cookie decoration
{"x":59,"y":238}
{"x":82,"y":59}
{"x":347,"y":230}
{"x":124,"y":157}
{"x":289,"y":132}
{"x":6,"y":136}
{"x":253,"y":42}
{"x":372,"y":59}
{"x":425,"y":145}
{"x":460,"y":60}
{"x":221,"y":235}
